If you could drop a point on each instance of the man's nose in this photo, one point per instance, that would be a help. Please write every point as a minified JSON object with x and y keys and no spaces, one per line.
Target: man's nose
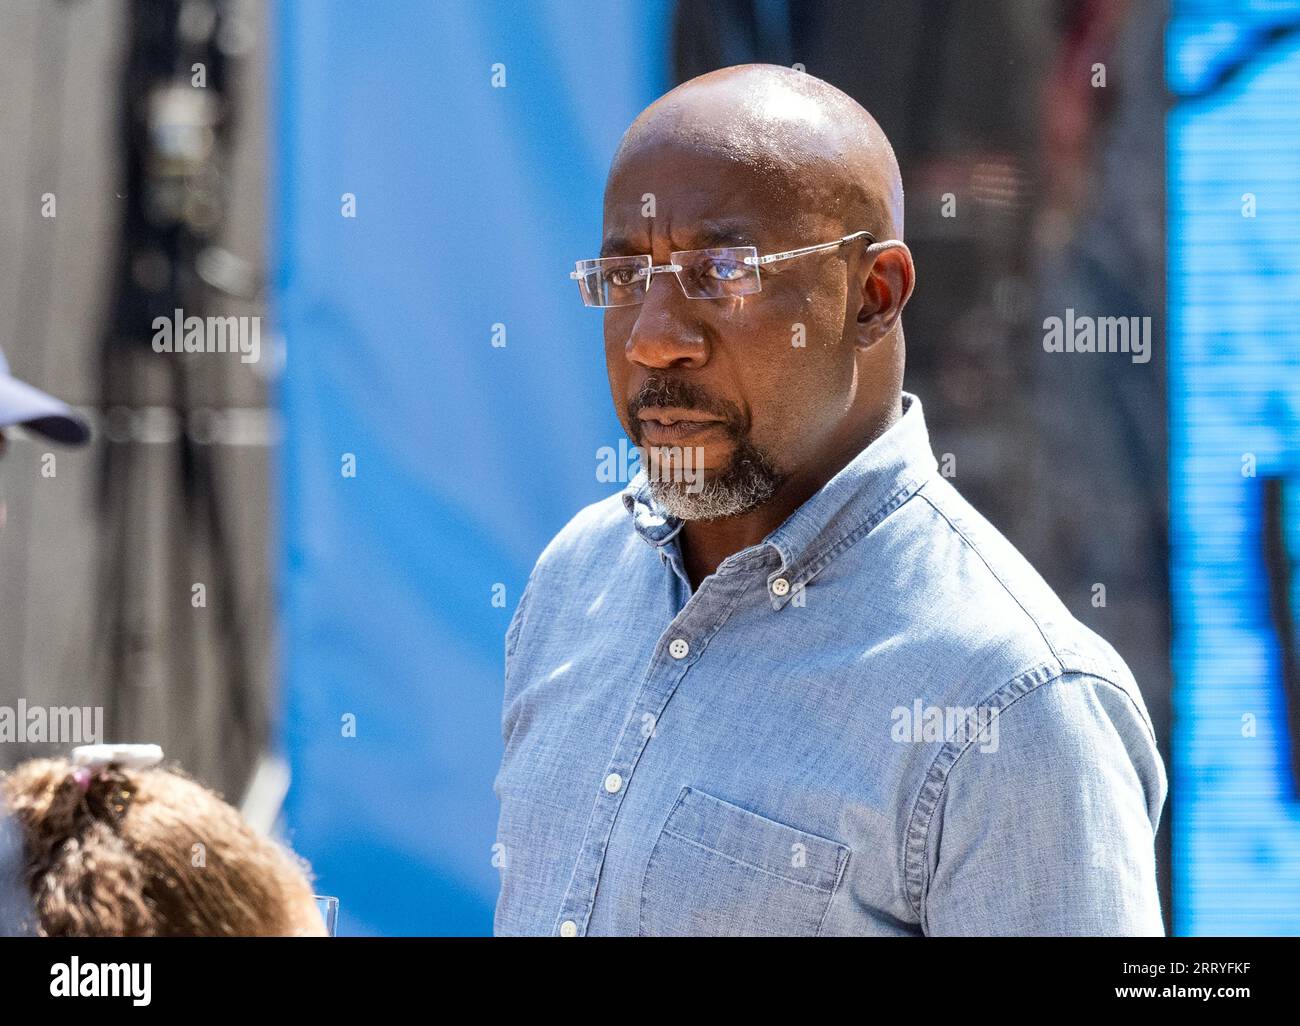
{"x":666,"y":333}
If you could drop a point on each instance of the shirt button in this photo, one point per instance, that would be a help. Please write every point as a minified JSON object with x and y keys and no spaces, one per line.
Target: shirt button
{"x":568,"y":928}
{"x":613,"y":782}
{"x":780,"y":586}
{"x":678,"y":648}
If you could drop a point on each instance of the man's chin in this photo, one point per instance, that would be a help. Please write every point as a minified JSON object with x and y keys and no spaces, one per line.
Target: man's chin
{"x":710,"y":498}
{"x":725,"y":478}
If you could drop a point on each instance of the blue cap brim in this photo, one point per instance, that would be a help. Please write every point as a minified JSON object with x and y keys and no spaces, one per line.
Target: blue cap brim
{"x":20,"y":403}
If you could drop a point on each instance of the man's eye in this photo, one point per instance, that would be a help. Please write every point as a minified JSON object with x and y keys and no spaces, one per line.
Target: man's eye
{"x":725,"y":270}
{"x":623,"y":276}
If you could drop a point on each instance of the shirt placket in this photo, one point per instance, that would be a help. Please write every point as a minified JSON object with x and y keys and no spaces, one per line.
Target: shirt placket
{"x":680,"y":646}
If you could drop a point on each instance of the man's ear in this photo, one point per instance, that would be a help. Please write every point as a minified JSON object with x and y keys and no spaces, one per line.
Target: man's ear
{"x":886,"y":288}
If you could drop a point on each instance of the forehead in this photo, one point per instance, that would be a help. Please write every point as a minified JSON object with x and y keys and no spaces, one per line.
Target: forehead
{"x":692,"y":198}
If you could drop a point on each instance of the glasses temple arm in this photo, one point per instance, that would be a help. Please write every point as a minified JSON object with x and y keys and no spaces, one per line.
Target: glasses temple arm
{"x":774,"y":257}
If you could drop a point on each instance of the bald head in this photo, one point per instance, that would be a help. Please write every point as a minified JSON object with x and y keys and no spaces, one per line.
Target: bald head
{"x":802,"y":141}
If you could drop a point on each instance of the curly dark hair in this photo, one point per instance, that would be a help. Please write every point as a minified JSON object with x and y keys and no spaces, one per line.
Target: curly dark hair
{"x":147,"y":853}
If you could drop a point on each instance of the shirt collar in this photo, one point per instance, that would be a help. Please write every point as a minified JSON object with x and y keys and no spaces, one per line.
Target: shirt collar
{"x":860,"y":495}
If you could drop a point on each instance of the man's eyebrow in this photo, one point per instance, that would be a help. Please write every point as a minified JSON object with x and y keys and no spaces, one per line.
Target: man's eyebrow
{"x":709,"y":235}
{"x":617,"y":245}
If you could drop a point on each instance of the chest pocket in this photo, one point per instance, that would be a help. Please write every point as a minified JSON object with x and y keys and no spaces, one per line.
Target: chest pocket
{"x":718,"y":870}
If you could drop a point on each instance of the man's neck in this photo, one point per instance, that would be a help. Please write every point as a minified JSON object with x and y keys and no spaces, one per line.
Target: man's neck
{"x":706,"y":543}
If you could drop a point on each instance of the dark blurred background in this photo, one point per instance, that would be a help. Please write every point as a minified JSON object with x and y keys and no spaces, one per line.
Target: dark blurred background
{"x":161,"y":203}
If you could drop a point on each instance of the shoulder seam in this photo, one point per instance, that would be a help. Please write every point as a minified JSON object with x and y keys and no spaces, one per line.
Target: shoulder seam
{"x":916,"y":846}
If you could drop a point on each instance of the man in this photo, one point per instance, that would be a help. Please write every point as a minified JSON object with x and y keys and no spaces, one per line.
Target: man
{"x":789,"y":681}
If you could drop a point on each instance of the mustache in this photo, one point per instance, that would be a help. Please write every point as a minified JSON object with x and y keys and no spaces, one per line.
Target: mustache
{"x":661,"y":391}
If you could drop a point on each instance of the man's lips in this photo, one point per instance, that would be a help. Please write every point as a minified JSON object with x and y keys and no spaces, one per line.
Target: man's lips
{"x":661,"y":425}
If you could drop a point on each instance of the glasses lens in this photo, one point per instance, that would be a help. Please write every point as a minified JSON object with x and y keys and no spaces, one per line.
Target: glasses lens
{"x":718,"y":273}
{"x":613,"y":281}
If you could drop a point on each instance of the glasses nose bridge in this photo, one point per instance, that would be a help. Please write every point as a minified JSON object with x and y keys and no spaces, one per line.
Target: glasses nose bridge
{"x":665,"y":270}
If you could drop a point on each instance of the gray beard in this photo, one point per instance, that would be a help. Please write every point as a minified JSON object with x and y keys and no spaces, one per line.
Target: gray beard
{"x":748,"y":481}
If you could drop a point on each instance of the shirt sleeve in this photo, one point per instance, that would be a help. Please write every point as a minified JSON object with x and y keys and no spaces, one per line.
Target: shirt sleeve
{"x":516,"y":622}
{"x":1046,"y":826}
{"x":511,"y":644}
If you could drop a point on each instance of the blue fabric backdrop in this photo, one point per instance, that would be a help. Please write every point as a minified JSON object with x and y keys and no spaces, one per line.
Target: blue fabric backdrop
{"x":471,"y":203}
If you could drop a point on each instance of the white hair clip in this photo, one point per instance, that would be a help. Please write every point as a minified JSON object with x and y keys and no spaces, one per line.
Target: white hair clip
{"x":95,"y":757}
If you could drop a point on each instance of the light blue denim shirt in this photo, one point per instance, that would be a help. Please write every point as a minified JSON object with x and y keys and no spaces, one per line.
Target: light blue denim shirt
{"x":878,"y":720}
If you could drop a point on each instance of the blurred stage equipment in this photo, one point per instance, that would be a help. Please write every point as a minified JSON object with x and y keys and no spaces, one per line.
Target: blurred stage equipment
{"x":176,"y":124}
